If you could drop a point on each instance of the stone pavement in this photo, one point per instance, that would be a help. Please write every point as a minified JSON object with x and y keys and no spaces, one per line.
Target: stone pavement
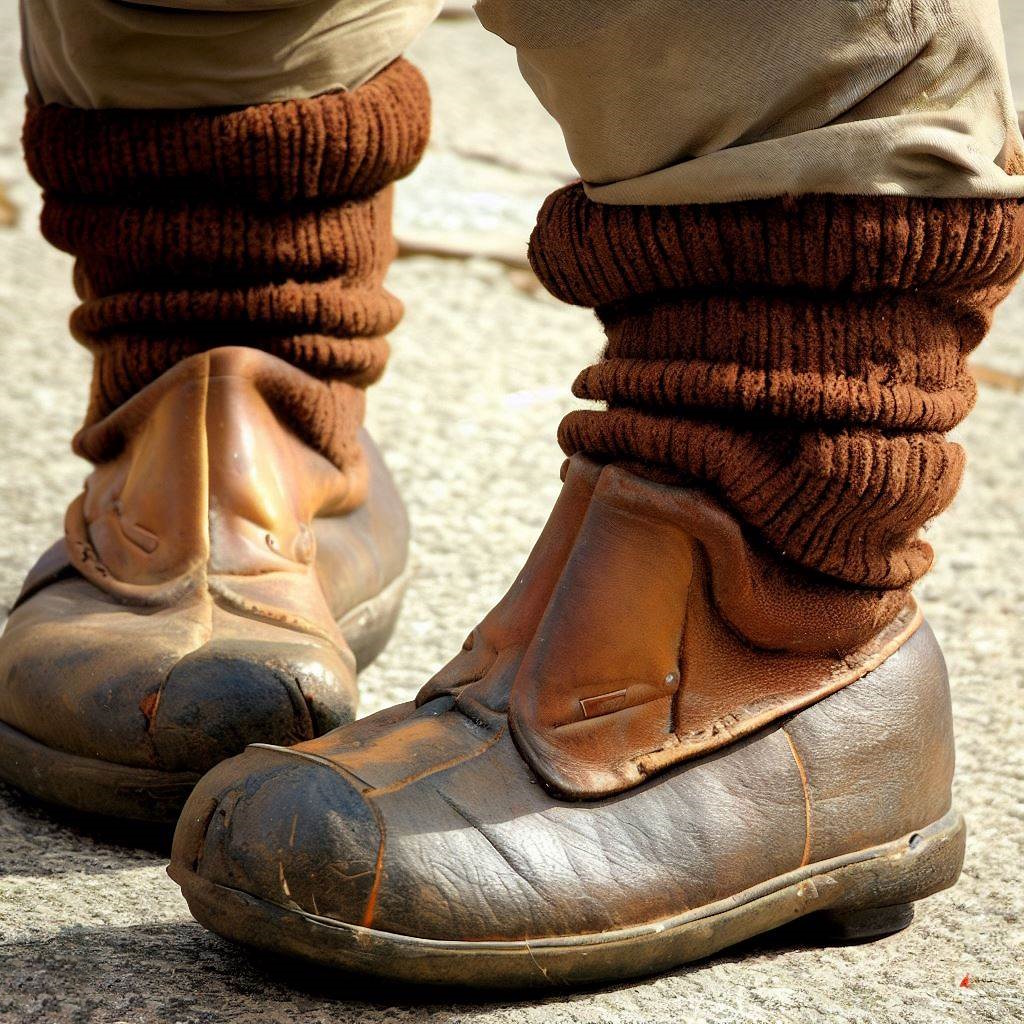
{"x":92,"y":930}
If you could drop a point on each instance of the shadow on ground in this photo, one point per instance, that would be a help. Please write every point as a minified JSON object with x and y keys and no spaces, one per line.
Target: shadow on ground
{"x":178,"y":968}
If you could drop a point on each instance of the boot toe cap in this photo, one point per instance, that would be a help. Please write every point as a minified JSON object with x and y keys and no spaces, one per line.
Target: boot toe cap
{"x":284,"y":827}
{"x":86,"y":676}
{"x":229,"y":693}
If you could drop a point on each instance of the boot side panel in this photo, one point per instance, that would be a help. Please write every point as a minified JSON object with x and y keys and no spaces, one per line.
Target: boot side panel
{"x":878,"y":755}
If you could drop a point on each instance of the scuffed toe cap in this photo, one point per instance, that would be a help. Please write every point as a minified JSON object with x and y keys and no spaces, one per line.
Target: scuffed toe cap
{"x":283,"y":827}
{"x":84,"y":675}
{"x":228,"y":693}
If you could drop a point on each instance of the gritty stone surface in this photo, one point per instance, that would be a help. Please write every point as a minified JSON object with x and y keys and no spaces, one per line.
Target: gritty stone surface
{"x":92,"y":930}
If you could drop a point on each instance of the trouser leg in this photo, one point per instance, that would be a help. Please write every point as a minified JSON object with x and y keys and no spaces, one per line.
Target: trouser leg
{"x":794,"y":223}
{"x":209,"y":53}
{"x":1013,"y":28}
{"x":711,"y":101}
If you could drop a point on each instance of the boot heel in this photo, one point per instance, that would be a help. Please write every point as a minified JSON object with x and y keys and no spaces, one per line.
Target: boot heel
{"x":878,"y":894}
{"x":867,"y":923}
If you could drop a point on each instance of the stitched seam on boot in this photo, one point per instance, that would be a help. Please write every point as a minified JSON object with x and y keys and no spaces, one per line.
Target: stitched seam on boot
{"x":805,"y":783}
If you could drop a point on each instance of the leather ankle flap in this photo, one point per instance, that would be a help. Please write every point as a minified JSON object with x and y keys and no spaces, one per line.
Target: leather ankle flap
{"x":801,"y":358}
{"x":267,"y":227}
{"x":669,"y":635}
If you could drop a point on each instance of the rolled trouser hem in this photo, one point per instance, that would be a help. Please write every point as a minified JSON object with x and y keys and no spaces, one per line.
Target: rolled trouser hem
{"x":704,"y":101}
{"x":186,"y":54}
{"x":809,"y":166}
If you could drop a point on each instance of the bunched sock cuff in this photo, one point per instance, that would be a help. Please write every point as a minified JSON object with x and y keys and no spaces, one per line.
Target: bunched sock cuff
{"x":801,"y":358}
{"x":267,"y":226}
{"x":337,"y":145}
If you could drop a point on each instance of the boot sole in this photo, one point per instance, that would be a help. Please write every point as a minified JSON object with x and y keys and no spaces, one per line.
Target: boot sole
{"x":106,"y":789}
{"x":858,"y":896}
{"x":90,"y":785}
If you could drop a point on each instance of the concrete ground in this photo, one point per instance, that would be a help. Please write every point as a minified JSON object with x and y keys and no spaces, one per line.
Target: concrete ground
{"x":92,"y":930}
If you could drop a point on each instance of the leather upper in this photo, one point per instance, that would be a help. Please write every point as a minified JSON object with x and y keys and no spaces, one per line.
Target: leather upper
{"x":238,"y":491}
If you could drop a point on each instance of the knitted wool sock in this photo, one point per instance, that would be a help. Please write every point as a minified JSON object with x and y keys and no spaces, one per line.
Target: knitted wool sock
{"x":801,"y":358}
{"x":267,"y":226}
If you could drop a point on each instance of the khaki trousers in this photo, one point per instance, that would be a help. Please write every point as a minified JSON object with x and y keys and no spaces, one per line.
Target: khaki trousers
{"x":209,"y":53}
{"x":660,"y":101}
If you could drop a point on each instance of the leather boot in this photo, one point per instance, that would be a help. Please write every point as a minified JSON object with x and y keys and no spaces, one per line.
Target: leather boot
{"x":239,"y":550}
{"x":669,"y":736}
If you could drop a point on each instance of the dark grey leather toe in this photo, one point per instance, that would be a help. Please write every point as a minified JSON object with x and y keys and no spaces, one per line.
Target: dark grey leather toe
{"x":288,"y":827}
{"x":229,"y":693}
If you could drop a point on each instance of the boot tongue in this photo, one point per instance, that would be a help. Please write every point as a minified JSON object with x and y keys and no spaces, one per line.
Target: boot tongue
{"x":668,"y":636}
{"x":197,"y":478}
{"x":265,"y":484}
{"x":139,"y":530}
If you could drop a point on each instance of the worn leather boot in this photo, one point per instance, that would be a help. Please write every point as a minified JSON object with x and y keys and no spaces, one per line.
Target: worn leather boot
{"x":674,"y":732}
{"x":239,"y":550}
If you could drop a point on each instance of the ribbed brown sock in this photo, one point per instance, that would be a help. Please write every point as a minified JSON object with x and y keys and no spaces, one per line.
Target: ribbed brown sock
{"x":267,"y":226}
{"x":801,"y":358}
